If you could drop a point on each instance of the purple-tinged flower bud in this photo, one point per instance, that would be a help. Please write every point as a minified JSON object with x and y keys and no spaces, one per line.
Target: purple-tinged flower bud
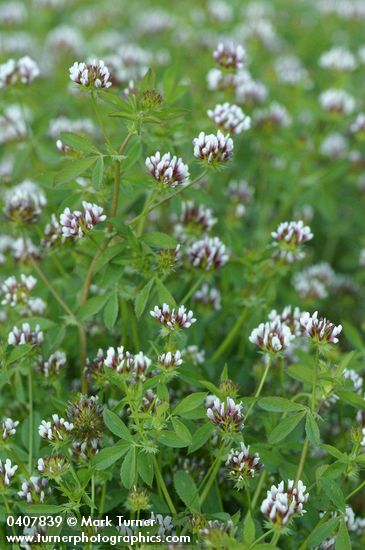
{"x":242,"y":465}
{"x":208,"y":296}
{"x":173,"y":320}
{"x":92,"y":75}
{"x":77,"y":224}
{"x":23,"y":71}
{"x":9,"y":427}
{"x":7,"y":471}
{"x":213,"y":149}
{"x":166,"y":170}
{"x":337,"y":101}
{"x":289,"y":236}
{"x":24,"y":203}
{"x":319,"y":329}
{"x":19,"y":337}
{"x":170,"y":360}
{"x":230,"y":118}
{"x":15,"y":292}
{"x":230,"y":56}
{"x":57,"y":430}
{"x":280,"y":506}
{"x":226,"y":415}
{"x":208,"y":253}
{"x":34,"y":490}
{"x":272,"y":337}
{"x":51,"y":367}
{"x":53,"y":467}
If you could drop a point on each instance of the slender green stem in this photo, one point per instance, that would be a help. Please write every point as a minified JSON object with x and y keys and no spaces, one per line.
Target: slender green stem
{"x":30,"y":434}
{"x":361,"y":486}
{"x":321,"y":521}
{"x":231,"y":335}
{"x":192,"y":289}
{"x":261,"y":538}
{"x":315,"y":378}
{"x":275,"y":538}
{"x":162,"y":486}
{"x":249,"y":503}
{"x":92,"y":507}
{"x":260,"y":386}
{"x":258,"y":488}
{"x":142,"y":221}
{"x":102,"y":499}
{"x":117,"y":166}
{"x":213,"y":475}
{"x":303,"y":456}
{"x":8,"y":512}
{"x":100,"y":120}
{"x":166,"y":199}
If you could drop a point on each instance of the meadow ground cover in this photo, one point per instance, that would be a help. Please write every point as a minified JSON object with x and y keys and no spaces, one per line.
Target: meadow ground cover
{"x":182,"y":250}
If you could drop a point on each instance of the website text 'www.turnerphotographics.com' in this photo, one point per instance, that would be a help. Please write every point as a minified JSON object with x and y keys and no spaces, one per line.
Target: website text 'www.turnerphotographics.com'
{"x":114,"y":531}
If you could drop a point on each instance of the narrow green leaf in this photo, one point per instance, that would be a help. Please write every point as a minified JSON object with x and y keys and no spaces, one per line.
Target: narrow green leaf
{"x":74,"y":169}
{"x":187,"y":490}
{"x":79,"y":143}
{"x":98,"y":174}
{"x":322,"y":532}
{"x":111,"y":311}
{"x":116,"y":425}
{"x":285,"y":427}
{"x":159,"y":240}
{"x":164,"y":294}
{"x":200,"y":437}
{"x":190,"y":403}
{"x":141,"y":300}
{"x":333,"y":492}
{"x":106,"y":457}
{"x":128,"y":469}
{"x":353,"y":336}
{"x":182,"y":431}
{"x":343,"y":541}
{"x":279,"y":404}
{"x":92,"y":307}
{"x":170,"y":439}
{"x":249,"y":529}
{"x":145,"y":467}
{"x":312,"y":430}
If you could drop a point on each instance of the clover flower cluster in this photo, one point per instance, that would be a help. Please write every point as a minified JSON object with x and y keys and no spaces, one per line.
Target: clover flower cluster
{"x":52,"y":366}
{"x":7,"y":471}
{"x":207,"y":253}
{"x":194,"y":355}
{"x":77,"y":224}
{"x":358,"y":126}
{"x":25,"y":335}
{"x":230,"y":118}
{"x":9,"y":427}
{"x":170,"y":360}
{"x":215,"y":531}
{"x":52,"y":466}
{"x":334,"y":145}
{"x":56,"y":430}
{"x":125,"y":363}
{"x":338,"y":59}
{"x":34,"y":490}
{"x":15,"y":292}
{"x":289,"y":237}
{"x":290,"y":317}
{"x":280,"y":506}
{"x":173,"y":319}
{"x":242,"y":465}
{"x":273,"y":336}
{"x":275,"y":115}
{"x":356,"y":379}
{"x":193,"y":216}
{"x":63,"y":124}
{"x":240,"y":194}
{"x":24,"y":249}
{"x":12,"y":13}
{"x":290,"y":70}
{"x":166,"y":170}
{"x":24,"y":203}
{"x":337,"y":101}
{"x":23,"y":71}
{"x":230,"y":55}
{"x":92,"y":75}
{"x":13,"y":124}
{"x":315,"y":281}
{"x":226,"y":415}
{"x":212,"y":148}
{"x":86,"y":416}
{"x":208,"y":296}
{"x":319,"y":329}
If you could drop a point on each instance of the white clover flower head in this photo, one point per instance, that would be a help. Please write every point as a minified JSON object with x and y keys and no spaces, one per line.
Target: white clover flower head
{"x":272,"y":336}
{"x":173,"y":319}
{"x":242,"y":465}
{"x":13,"y":124}
{"x":17,"y":292}
{"x":56,"y":430}
{"x":23,"y":71}
{"x":52,"y":233}
{"x":358,"y":126}
{"x":9,"y":427}
{"x":170,"y":360}
{"x":23,"y":249}
{"x":207,"y":296}
{"x":65,"y":38}
{"x":213,"y":149}
{"x":247,"y":90}
{"x":230,"y":118}
{"x":24,"y":203}
{"x":276,"y":115}
{"x":53,"y":365}
{"x":356,"y":379}
{"x":280,"y":506}
{"x":290,"y":70}
{"x":240,"y":194}
{"x":207,"y":253}
{"x":34,"y":490}
{"x":289,"y":237}
{"x":226,"y":415}
{"x":338,"y":59}
{"x":337,"y":101}
{"x":230,"y":55}
{"x":334,"y":145}
{"x":25,"y":335}
{"x":290,"y":317}
{"x":76,"y":224}
{"x":319,"y":329}
{"x":166,"y":170}
{"x":193,"y":354}
{"x":7,"y":471}
{"x":135,"y":367}
{"x":193,"y":218}
{"x":12,"y":13}
{"x":92,"y":75}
